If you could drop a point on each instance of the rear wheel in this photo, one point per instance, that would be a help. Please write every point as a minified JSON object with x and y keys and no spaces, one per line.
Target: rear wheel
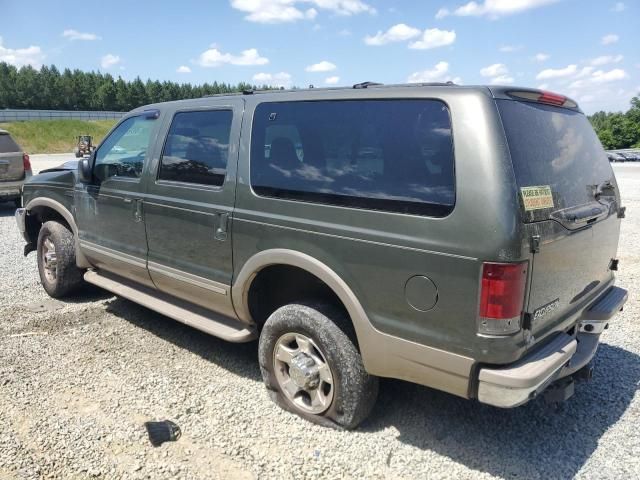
{"x":312,"y":368}
{"x":59,"y":274}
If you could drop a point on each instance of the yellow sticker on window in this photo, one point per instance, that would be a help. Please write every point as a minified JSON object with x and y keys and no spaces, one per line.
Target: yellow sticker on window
{"x":536,"y":198}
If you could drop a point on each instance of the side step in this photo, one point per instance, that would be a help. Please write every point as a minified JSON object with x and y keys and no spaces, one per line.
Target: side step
{"x":196,"y":317}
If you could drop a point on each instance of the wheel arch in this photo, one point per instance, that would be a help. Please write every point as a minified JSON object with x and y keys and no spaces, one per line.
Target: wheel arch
{"x":280,"y":256}
{"x":41,"y":205}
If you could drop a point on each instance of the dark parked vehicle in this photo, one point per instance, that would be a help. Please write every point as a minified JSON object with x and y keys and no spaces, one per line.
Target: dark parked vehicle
{"x":629,"y":156}
{"x":14,"y":169}
{"x":438,"y":234}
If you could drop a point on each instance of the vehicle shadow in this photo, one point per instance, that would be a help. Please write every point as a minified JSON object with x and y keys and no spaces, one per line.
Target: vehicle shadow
{"x":239,"y":358}
{"x":7,"y":209}
{"x":515,"y":443}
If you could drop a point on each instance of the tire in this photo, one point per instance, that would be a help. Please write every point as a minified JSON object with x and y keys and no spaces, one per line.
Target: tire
{"x":351,"y":393}
{"x":59,"y":274}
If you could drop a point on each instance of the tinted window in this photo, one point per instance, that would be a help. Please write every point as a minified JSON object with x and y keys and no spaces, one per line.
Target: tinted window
{"x":123,"y":153}
{"x":197,"y":147}
{"x":7,"y":145}
{"x":555,"y":147}
{"x":393,"y":155}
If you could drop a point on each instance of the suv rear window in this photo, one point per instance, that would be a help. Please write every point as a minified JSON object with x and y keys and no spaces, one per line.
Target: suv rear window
{"x":7,"y":144}
{"x":392,"y":155}
{"x":556,"y":148}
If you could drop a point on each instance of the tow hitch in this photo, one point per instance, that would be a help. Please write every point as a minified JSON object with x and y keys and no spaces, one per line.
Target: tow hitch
{"x":563,"y":389}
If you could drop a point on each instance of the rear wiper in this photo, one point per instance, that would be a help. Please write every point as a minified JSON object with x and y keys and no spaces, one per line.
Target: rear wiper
{"x":581,"y":214}
{"x":605,"y":188}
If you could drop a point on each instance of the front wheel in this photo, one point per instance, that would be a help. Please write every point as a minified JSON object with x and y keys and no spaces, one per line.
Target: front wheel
{"x":312,"y":368}
{"x":59,"y":274}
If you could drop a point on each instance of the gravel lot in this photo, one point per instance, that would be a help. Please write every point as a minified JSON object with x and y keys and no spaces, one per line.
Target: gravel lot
{"x":78,"y":381}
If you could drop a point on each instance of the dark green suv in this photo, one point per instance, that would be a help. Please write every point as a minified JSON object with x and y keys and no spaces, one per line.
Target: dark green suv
{"x":463,"y":238}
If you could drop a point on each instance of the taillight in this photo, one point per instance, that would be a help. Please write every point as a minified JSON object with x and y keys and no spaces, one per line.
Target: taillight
{"x":26,"y":162}
{"x":502,"y":292}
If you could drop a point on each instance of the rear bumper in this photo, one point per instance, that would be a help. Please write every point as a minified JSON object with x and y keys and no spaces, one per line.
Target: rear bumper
{"x":11,"y":189}
{"x":515,"y":384}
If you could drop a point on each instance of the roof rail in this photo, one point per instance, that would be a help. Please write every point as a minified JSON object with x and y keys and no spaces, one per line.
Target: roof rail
{"x":366,"y":84}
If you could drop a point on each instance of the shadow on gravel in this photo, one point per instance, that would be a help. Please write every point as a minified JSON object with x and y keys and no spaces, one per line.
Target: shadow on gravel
{"x":533,"y":441}
{"x":239,"y":358}
{"x":7,"y":209}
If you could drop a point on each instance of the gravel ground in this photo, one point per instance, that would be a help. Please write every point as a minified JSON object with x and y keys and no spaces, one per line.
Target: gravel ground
{"x":78,"y":381}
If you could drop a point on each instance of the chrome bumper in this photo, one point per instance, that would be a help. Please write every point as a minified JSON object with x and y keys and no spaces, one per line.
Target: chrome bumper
{"x":516,"y":384}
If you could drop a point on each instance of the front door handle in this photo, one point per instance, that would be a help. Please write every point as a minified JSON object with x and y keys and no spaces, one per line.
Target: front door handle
{"x":221,"y":227}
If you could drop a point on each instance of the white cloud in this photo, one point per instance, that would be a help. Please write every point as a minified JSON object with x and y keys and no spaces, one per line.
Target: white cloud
{"x":510,"y":48}
{"x":110,"y":60}
{"x":437,"y":74}
{"x":498,"y":74}
{"x":215,"y":58}
{"x":441,"y":13}
{"x":433,"y":38}
{"x":609,"y":39}
{"x":543,"y":86}
{"x":606,"y":59}
{"x":332,"y":80}
{"x":323,"y":66}
{"x":76,"y":35}
{"x":494,"y":70}
{"x":502,"y":80}
{"x":281,"y":79}
{"x":618,"y":7}
{"x":397,"y":33}
{"x":611,"y":76}
{"x":183,"y":69}
{"x":557,"y":73}
{"x":499,"y":8}
{"x":541,"y":57}
{"x":280,"y":11}
{"x":591,"y":77}
{"x":20,"y":57}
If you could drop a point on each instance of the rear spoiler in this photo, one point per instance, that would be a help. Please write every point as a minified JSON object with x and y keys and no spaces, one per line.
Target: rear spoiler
{"x":536,"y":96}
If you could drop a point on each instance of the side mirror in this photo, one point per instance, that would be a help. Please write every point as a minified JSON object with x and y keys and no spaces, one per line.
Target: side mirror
{"x":85,"y":167}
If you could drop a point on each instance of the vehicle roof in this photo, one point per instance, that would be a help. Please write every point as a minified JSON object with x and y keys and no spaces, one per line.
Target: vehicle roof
{"x":495,"y":91}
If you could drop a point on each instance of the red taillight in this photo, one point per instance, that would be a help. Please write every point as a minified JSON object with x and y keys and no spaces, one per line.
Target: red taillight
{"x":26,"y":162}
{"x":552,"y":98}
{"x":502,"y":290}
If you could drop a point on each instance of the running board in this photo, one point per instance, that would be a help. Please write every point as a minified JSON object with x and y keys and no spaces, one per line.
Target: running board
{"x":196,"y":317}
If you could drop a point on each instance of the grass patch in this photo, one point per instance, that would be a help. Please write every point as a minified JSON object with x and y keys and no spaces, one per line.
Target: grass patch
{"x":55,"y":136}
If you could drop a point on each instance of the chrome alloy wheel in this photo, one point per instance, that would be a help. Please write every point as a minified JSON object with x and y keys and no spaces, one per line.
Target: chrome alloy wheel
{"x":49,"y":259}
{"x":302,"y":373}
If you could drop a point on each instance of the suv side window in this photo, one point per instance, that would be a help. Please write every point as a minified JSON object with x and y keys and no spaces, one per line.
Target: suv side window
{"x":197,"y":148}
{"x":391,"y":155}
{"x":123,"y":153}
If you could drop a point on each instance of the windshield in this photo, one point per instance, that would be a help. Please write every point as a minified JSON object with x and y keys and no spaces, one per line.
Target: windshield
{"x":557,"y":157}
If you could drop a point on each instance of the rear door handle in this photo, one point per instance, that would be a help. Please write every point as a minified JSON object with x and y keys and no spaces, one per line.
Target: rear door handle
{"x":127,"y":200}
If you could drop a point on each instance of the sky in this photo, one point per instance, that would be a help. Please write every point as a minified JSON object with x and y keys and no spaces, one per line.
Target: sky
{"x":586,"y":49}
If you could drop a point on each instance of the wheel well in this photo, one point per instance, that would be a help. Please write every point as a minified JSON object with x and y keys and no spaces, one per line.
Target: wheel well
{"x":278,"y":285}
{"x":38,"y":216}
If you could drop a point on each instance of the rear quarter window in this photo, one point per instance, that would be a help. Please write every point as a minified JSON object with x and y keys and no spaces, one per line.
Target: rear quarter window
{"x":7,"y":144}
{"x":391,"y":155}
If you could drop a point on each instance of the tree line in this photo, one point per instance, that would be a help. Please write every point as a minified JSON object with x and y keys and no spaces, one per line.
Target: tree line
{"x":50,"y":89}
{"x":618,"y":130}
